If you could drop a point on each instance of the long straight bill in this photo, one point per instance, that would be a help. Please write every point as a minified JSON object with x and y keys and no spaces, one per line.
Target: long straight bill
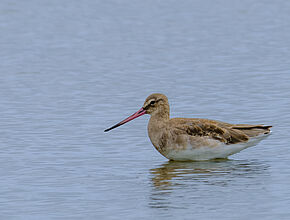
{"x":135,"y":115}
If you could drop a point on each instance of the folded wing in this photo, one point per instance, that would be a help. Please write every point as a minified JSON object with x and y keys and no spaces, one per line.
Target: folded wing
{"x":224,"y":132}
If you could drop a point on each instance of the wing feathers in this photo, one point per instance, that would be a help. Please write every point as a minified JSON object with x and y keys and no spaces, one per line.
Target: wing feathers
{"x":253,"y":130}
{"x":224,"y":132}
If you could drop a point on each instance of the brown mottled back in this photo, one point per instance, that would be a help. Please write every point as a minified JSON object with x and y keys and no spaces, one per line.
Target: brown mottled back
{"x":224,"y":132}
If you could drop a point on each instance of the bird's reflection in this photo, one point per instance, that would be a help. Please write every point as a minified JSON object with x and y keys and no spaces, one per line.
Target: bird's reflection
{"x":179,"y":184}
{"x":217,"y":172}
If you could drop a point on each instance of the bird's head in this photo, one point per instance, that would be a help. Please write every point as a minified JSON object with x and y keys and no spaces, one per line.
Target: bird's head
{"x":156,"y":105}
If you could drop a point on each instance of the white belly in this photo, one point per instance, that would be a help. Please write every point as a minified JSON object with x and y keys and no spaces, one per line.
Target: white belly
{"x":221,"y":150}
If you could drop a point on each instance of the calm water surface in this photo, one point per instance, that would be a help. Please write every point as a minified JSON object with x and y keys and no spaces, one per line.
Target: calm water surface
{"x":69,"y":69}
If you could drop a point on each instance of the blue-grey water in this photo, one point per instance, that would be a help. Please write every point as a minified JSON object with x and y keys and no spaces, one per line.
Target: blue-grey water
{"x":70,"y":69}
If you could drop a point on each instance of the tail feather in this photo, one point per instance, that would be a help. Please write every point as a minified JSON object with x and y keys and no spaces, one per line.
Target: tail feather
{"x":253,"y":130}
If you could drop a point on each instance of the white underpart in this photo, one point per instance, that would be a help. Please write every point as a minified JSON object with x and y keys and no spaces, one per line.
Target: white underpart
{"x":221,"y":150}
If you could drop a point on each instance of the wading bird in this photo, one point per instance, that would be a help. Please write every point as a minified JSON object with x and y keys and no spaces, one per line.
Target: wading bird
{"x":193,"y":138}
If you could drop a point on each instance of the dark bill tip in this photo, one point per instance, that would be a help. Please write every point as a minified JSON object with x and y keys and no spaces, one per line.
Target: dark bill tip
{"x":117,"y":125}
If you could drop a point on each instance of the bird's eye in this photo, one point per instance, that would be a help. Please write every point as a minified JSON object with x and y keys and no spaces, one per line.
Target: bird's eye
{"x":152,"y":102}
